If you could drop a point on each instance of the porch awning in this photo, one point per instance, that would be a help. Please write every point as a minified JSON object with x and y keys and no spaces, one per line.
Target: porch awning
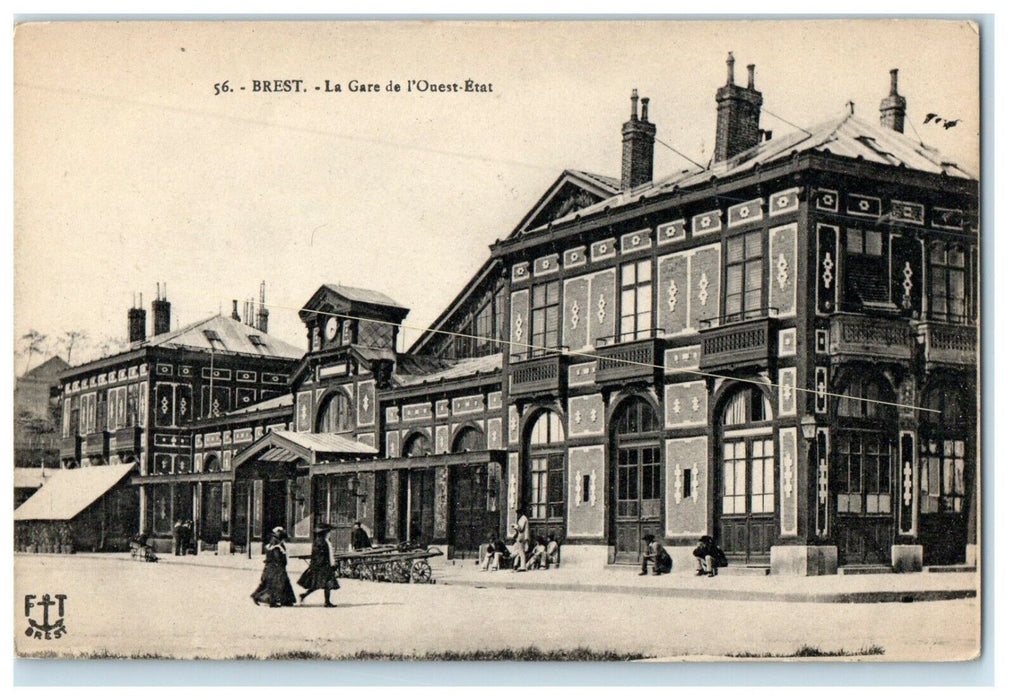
{"x":287,"y":446}
{"x":427,"y":462}
{"x":67,"y":492}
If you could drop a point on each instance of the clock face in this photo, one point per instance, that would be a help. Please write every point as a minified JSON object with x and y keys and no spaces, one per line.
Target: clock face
{"x":331,"y":329}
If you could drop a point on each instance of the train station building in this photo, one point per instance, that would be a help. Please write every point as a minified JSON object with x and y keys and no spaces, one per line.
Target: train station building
{"x":779,"y":350}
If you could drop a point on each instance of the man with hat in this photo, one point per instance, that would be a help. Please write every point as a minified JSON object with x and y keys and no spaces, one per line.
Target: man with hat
{"x":359,"y":539}
{"x":657,"y":554}
{"x":709,"y":557}
{"x":320,"y":575}
{"x":523,"y":537}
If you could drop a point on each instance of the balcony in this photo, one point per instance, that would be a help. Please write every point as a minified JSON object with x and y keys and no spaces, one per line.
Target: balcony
{"x":631,"y":360}
{"x":948,"y":344}
{"x":96,"y":445}
{"x":126,"y":440}
{"x":540,"y":375}
{"x":745,"y":343}
{"x":870,"y":337}
{"x":70,"y":447}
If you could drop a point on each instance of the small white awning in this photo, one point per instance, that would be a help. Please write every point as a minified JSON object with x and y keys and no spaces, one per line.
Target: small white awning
{"x":67,"y":492}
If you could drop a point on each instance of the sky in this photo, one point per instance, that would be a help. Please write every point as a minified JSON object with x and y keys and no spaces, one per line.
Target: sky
{"x":130,"y":170}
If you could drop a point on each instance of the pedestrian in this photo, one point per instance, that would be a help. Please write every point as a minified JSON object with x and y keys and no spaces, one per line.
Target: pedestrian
{"x":709,"y":557}
{"x":657,"y":555}
{"x":187,"y":537}
{"x":359,"y":539}
{"x":275,"y":588}
{"x":492,"y":552}
{"x":178,"y":537}
{"x":320,"y":575}
{"x":523,"y":536}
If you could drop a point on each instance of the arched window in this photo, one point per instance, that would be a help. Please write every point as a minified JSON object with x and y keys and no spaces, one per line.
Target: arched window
{"x":943,"y":451}
{"x":418,"y":445}
{"x":469,"y":439}
{"x":335,"y":414}
{"x":747,"y":484}
{"x":212,"y":464}
{"x":862,"y":470}
{"x":545,"y":476}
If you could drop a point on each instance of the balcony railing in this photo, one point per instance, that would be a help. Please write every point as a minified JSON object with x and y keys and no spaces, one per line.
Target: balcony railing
{"x":70,"y":447}
{"x":632,"y":359}
{"x":126,"y":440}
{"x":747,"y":343}
{"x":539,"y":375}
{"x":96,"y":444}
{"x":870,"y":336}
{"x":739,"y":317}
{"x":948,"y":343}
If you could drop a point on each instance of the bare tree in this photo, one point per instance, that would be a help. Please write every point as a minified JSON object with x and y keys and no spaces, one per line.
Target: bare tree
{"x":33,"y":343}
{"x":69,"y":338}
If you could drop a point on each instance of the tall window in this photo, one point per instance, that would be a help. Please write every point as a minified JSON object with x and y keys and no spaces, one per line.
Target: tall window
{"x":545,"y":318}
{"x":335,"y":415}
{"x":947,"y":282}
{"x":748,"y":483}
{"x":866,"y":267}
{"x":546,"y":469}
{"x":744,"y":268}
{"x":469,"y":440}
{"x":635,"y":300}
{"x":863,"y":449}
{"x":417,"y":446}
{"x":943,"y":452}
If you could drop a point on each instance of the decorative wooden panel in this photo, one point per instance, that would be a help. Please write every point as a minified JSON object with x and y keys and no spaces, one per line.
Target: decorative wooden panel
{"x":704,"y":284}
{"x":673,"y":294}
{"x":686,"y":404}
{"x":782,"y":269}
{"x":585,"y":415}
{"x":519,"y":329}
{"x":575,"y":329}
{"x":686,"y":487}
{"x":586,"y":518}
{"x":788,"y":491}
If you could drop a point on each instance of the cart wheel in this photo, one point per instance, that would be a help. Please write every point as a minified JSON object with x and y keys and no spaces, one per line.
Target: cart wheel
{"x":346,"y":569}
{"x":420,"y":572}
{"x":364,"y":572}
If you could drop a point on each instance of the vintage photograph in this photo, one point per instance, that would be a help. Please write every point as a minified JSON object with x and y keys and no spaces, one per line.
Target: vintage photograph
{"x":498,"y":340}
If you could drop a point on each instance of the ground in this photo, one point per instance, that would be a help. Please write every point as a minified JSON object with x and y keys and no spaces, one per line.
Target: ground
{"x":119,"y":607}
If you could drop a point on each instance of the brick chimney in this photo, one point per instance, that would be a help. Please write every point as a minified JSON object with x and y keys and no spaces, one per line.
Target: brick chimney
{"x":639,"y":146}
{"x":893,"y":107}
{"x":236,"y":310}
{"x":160,"y":310}
{"x":739,"y":115}
{"x":137,"y":320}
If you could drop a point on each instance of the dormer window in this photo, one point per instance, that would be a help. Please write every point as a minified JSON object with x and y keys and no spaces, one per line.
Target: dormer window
{"x":258,"y":342}
{"x":215,"y":340}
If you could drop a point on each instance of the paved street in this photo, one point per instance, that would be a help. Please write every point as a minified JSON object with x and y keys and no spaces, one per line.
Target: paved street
{"x":171,"y":609}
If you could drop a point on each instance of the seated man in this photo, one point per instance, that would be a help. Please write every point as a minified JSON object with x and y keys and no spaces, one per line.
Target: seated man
{"x":657,"y":554}
{"x":538,"y":557}
{"x":359,"y":539}
{"x":707,"y":554}
{"x":492,"y":553}
{"x":552,"y":550}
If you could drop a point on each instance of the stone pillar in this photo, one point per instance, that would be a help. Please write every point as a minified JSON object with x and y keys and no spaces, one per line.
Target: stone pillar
{"x":143,"y":505}
{"x":394,"y":506}
{"x":440,"y":504}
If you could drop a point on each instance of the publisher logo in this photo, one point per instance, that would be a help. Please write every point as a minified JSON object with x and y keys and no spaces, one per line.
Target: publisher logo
{"x":51,"y":609}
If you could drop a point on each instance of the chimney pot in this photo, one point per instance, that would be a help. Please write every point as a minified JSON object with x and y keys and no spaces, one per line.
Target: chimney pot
{"x":893,"y":107}
{"x":738,"y":115}
{"x":634,"y":104}
{"x":638,"y":146}
{"x":729,"y":68}
{"x":644,"y":109}
{"x":750,"y":76}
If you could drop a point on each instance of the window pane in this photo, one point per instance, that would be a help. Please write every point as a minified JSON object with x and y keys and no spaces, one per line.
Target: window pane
{"x":753,"y":246}
{"x":854,"y":241}
{"x":539,"y":295}
{"x":627,"y":302}
{"x":735,"y":249}
{"x":644,"y":270}
{"x":645,"y":297}
{"x":552,"y":293}
{"x":873,"y":243}
{"x":734,"y":280}
{"x":627,"y":275}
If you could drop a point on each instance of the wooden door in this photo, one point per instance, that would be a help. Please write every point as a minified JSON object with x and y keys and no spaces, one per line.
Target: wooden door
{"x":637,"y":508}
{"x":747,"y":497}
{"x":471,"y":521}
{"x":863,"y":501}
{"x":211,"y":512}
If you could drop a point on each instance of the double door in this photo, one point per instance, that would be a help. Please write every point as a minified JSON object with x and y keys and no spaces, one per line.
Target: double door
{"x":747,"y":498}
{"x":474,"y":512}
{"x":637,"y":499}
{"x":863,"y":500}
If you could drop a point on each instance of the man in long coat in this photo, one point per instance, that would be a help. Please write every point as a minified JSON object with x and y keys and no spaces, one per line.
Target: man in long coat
{"x":320,"y":575}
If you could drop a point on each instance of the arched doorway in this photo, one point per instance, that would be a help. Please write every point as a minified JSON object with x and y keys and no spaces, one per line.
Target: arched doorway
{"x":211,"y":503}
{"x":473,"y":514}
{"x":418,"y":493}
{"x":334,"y":414}
{"x":746,"y":482}
{"x":945,"y":474}
{"x":544,"y":477}
{"x":863,"y":471}
{"x":636,"y":480}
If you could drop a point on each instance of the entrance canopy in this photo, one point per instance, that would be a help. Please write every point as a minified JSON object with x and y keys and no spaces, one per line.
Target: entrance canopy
{"x":67,"y":492}
{"x":291,"y":448}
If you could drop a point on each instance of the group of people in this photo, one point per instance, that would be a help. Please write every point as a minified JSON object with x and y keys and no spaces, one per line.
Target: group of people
{"x":707,"y":554}
{"x":522,"y":551}
{"x":275,"y":589}
{"x":183,"y":538}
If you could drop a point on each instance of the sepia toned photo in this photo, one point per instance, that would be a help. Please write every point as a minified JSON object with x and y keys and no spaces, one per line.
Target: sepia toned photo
{"x":498,"y":340}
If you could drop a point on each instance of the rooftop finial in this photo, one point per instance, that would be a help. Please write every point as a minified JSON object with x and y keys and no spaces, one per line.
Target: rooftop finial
{"x":729,"y":68}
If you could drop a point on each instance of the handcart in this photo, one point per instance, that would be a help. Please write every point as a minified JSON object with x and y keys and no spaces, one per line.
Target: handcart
{"x":140,"y":550}
{"x":388,"y":563}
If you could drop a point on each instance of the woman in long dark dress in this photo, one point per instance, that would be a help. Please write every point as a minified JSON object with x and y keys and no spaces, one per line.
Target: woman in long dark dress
{"x":275,"y":588}
{"x":320,"y":575}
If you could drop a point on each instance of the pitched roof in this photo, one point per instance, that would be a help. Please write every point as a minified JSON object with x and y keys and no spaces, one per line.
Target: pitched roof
{"x":572,"y":190}
{"x":279,"y":401}
{"x":367,"y":296}
{"x":463,"y":368}
{"x":847,"y":136}
{"x":236,"y":338}
{"x":30,"y":478}
{"x":290,"y":446}
{"x":67,"y":492}
{"x":48,"y":370}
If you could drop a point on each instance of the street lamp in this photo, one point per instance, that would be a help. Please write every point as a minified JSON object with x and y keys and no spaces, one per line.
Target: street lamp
{"x":808,"y":427}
